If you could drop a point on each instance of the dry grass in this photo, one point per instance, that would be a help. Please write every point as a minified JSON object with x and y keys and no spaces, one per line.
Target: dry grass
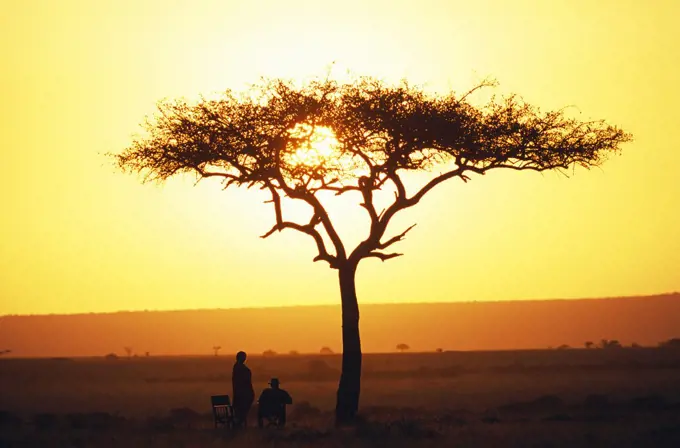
{"x":528,"y":398}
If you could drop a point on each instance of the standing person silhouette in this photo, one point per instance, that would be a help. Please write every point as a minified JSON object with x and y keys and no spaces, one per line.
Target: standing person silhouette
{"x":242,"y":385}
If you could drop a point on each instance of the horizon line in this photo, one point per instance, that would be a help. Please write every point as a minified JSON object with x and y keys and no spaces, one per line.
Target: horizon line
{"x":466,"y":302}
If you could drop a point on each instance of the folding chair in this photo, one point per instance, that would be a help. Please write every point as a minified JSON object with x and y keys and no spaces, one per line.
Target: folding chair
{"x":271,"y":415}
{"x":223,"y":411}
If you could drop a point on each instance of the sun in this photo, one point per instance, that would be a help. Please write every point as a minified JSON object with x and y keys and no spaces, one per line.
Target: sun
{"x":318,"y":145}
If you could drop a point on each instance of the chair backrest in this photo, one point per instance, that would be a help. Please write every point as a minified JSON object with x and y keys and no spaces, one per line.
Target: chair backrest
{"x":220,"y":400}
{"x":223,"y":412}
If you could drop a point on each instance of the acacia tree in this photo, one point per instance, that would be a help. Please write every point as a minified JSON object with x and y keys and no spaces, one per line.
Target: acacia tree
{"x":403,"y":347}
{"x":381,"y":133}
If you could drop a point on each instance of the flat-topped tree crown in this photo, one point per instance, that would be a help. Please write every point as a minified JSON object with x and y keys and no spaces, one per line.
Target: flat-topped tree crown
{"x":360,"y":137}
{"x":378,"y":131}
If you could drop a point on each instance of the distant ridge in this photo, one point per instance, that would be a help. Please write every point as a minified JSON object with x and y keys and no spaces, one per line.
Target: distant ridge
{"x":645,"y":320}
{"x":283,"y":306}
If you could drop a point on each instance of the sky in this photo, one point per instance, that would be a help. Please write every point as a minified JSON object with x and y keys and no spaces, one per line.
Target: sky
{"x":78,"y":77}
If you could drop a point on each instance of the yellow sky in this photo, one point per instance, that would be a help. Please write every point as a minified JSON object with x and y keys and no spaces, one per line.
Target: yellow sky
{"x":79,"y":76}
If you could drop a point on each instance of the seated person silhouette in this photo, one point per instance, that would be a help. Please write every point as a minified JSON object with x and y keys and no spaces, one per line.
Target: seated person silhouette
{"x":272,"y":405}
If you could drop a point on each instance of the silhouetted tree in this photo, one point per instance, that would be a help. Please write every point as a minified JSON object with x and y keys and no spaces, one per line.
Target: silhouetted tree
{"x":128,"y":351}
{"x":326,"y":351}
{"x":439,"y":350}
{"x":589,"y":344}
{"x":670,"y":343}
{"x":403,"y":347}
{"x":264,"y":139}
{"x":613,"y":343}
{"x":269,"y":353}
{"x":111,"y":357}
{"x":294,"y":353}
{"x":216,"y":349}
{"x":563,"y":347}
{"x":4,"y":352}
{"x":319,"y":369}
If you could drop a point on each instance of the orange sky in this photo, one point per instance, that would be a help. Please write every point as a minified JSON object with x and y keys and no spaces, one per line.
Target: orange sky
{"x":78,"y":77}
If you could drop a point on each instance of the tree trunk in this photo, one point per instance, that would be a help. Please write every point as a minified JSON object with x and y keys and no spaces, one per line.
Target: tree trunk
{"x":350,"y":379}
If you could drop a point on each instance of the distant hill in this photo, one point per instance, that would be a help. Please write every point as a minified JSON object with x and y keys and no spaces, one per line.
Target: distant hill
{"x":424,"y":327}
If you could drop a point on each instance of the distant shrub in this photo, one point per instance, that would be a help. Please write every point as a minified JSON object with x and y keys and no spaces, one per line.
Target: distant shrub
{"x":490,"y":419}
{"x":9,"y":420}
{"x":45,"y":421}
{"x":412,"y":429}
{"x":160,"y":424}
{"x":558,"y":418}
{"x":326,"y":351}
{"x":596,"y":401}
{"x":111,"y":357}
{"x":452,"y":418}
{"x":294,"y":353}
{"x":177,"y":418}
{"x":303,"y":410}
{"x":296,"y":437}
{"x":403,"y":347}
{"x":649,"y":402}
{"x":670,"y":343}
{"x":439,"y":350}
{"x":269,"y":353}
{"x":378,"y":431}
{"x":545,"y":403}
{"x":94,"y":420}
{"x":319,"y":370}
{"x":185,"y":417}
{"x":609,"y":344}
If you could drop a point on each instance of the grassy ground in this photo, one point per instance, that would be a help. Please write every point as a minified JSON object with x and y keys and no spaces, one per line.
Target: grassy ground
{"x":626,"y":397}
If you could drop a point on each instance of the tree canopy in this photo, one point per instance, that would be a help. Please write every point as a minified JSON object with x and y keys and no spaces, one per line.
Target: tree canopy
{"x":380,"y":131}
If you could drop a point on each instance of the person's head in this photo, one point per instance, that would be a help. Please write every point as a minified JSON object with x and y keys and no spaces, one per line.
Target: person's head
{"x":274,"y":383}
{"x":241,"y":357}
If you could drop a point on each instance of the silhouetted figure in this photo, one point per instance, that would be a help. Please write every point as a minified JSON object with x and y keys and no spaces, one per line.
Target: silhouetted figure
{"x":242,"y":386}
{"x":272,"y":405}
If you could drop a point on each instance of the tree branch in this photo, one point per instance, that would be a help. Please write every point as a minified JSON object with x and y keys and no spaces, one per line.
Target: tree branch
{"x":381,"y":256}
{"x":308,"y":229}
{"x":458,"y":172}
{"x":394,"y":239}
{"x":394,"y":177}
{"x":279,"y":144}
{"x":366,"y":188}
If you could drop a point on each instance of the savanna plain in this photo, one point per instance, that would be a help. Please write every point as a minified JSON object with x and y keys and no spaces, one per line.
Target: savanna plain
{"x":544,"y":398}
